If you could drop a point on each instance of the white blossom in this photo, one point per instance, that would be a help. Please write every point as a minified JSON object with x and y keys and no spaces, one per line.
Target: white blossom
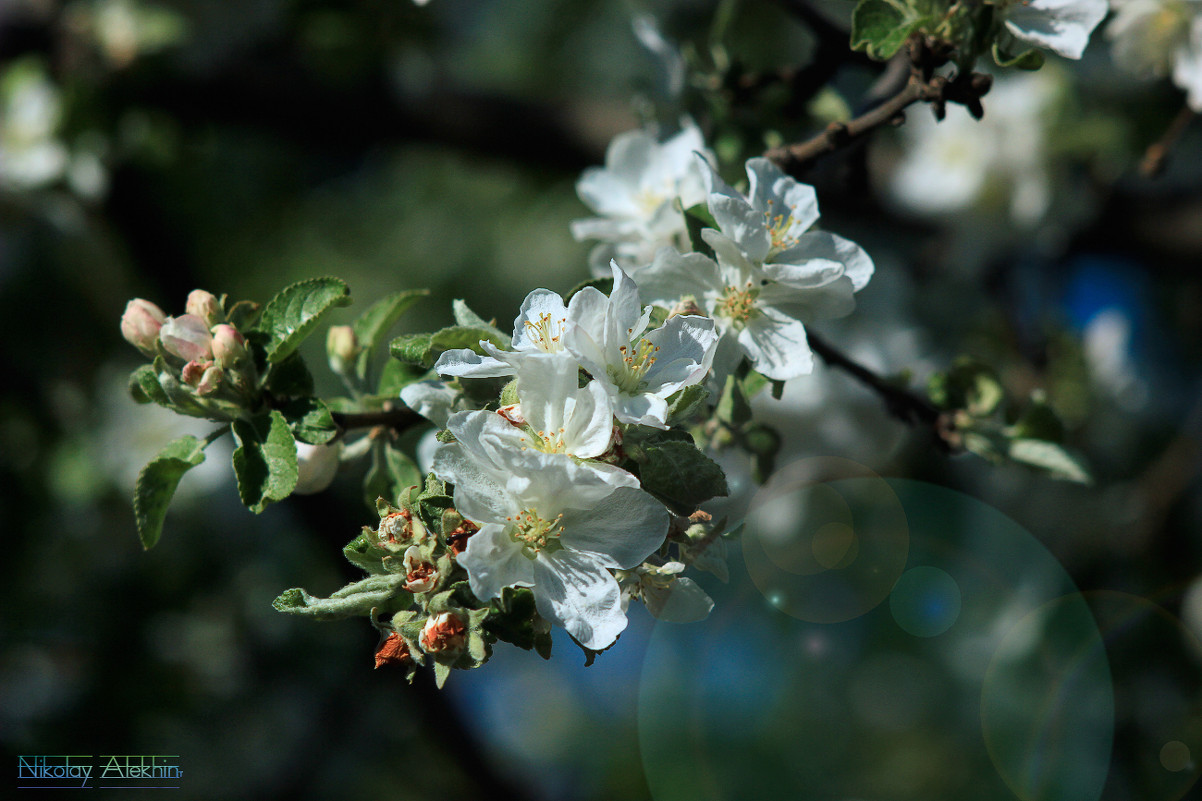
{"x":636,"y":195}
{"x":1160,"y":38}
{"x":537,"y":330}
{"x":548,"y":522}
{"x":639,"y":369}
{"x":667,"y":595}
{"x":1062,"y":26}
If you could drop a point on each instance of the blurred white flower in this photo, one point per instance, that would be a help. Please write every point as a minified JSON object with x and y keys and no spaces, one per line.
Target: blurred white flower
{"x":1001,"y":160}
{"x":31,"y":155}
{"x":1062,"y":26}
{"x":1158,"y":38}
{"x":316,"y":466}
{"x":636,"y":194}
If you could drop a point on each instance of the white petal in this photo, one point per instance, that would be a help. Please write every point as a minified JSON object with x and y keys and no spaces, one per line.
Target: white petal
{"x":590,"y":425}
{"x":643,"y":410}
{"x":828,"y":248}
{"x":787,"y":196}
{"x":826,"y":302}
{"x":682,"y":601}
{"x":433,"y":400}
{"x":494,"y":561}
{"x":606,"y":193}
{"x":777,"y":345}
{"x":575,"y":591}
{"x":685,"y":347}
{"x":625,"y":316}
{"x":466,"y":363}
{"x":480,"y":493}
{"x":620,"y":531}
{"x":673,"y":275}
{"x":527,"y":327}
{"x":1059,"y":25}
{"x":1187,"y":66}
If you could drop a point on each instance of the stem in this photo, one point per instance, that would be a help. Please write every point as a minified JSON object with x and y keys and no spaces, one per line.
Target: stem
{"x":1157,"y":153}
{"x":398,"y":419}
{"x":905,"y":405}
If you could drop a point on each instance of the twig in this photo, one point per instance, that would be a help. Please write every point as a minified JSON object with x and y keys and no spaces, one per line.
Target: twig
{"x":398,"y":419}
{"x":1158,"y":152}
{"x":905,"y":405}
{"x":924,"y":85}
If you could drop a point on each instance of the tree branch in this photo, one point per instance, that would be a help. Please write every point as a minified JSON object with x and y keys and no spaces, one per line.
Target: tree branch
{"x":907,"y":406}
{"x":1158,"y":152}
{"x":397,"y":418}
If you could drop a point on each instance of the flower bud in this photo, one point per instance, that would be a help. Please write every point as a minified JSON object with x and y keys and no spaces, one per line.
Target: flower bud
{"x":187,"y":337}
{"x":316,"y":466}
{"x":443,"y":632}
{"x":141,"y":323}
{"x":205,"y":306}
{"x":229,"y":347}
{"x":342,"y":348}
{"x":210,"y":382}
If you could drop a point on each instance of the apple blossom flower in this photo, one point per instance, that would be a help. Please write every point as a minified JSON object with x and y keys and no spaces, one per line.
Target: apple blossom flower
{"x":772,"y":224}
{"x":667,"y":595}
{"x":443,"y":631}
{"x":187,"y":337}
{"x":538,"y":329}
{"x":760,"y":311}
{"x":549,"y":522}
{"x":420,"y":573}
{"x":562,"y":416}
{"x":1161,"y":38}
{"x":638,"y":369}
{"x":1062,"y":26}
{"x":636,"y":196}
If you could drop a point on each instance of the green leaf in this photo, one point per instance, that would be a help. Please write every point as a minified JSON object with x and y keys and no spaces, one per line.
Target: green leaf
{"x":686,"y":404}
{"x":466,"y":317}
{"x":424,"y":349}
{"x":357,"y":599}
{"x":733,"y":408}
{"x":145,"y":388}
{"x":1052,"y":458}
{"x":1029,"y":59}
{"x":290,"y":378}
{"x":969,"y":385}
{"x":1038,"y":421}
{"x":244,"y":314}
{"x":441,"y":673}
{"x":265,"y":460}
{"x":362,"y":552}
{"x":391,"y":473}
{"x":602,"y":285}
{"x":680,"y":475}
{"x":397,"y":375}
{"x":310,"y":420}
{"x":294,"y":313}
{"x":371,"y":326}
{"x":880,"y":28}
{"x":157,"y":483}
{"x":698,"y":218}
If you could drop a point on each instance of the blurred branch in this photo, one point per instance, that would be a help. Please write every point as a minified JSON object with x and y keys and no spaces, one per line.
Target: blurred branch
{"x":904,"y":404}
{"x":398,"y":419}
{"x":1158,"y":152}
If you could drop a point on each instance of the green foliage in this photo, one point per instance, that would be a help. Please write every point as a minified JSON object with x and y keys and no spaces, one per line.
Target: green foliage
{"x":144,"y":387}
{"x":424,"y":349}
{"x":310,"y":420}
{"x":881,"y":27}
{"x":391,"y":473}
{"x":354,"y":600}
{"x":970,"y":385}
{"x":466,"y":317}
{"x":697,"y":218}
{"x":293,"y":314}
{"x":672,"y":469}
{"x":687,"y":404}
{"x":371,"y":326}
{"x":515,"y":620}
{"x":290,"y":378}
{"x":157,"y":483}
{"x":265,"y":460}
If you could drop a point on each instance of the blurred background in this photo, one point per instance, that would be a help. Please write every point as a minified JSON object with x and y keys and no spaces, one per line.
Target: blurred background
{"x":1011,"y":636}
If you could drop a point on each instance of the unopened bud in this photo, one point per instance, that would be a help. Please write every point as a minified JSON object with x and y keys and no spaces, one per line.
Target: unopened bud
{"x":205,"y":306}
{"x":342,"y":348}
{"x":187,"y":337}
{"x":316,"y":466}
{"x":229,"y":347}
{"x":141,"y":323}
{"x":210,"y":382}
{"x":443,"y":632}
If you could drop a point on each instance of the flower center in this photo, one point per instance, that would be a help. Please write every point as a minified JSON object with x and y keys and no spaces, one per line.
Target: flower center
{"x":779,"y":226}
{"x":737,"y":303}
{"x":534,"y":533}
{"x":545,"y":333}
{"x":636,"y":361}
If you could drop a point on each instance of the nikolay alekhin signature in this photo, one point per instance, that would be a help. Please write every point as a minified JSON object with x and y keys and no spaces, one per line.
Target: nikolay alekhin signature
{"x":110,"y":771}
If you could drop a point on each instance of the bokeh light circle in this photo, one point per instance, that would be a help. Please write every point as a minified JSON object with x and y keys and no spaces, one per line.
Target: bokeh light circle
{"x":764,"y":700}
{"x":825,"y":540}
{"x":925,"y":601}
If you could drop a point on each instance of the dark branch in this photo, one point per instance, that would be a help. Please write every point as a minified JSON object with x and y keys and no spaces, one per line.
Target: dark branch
{"x":398,"y":419}
{"x":1158,"y":152}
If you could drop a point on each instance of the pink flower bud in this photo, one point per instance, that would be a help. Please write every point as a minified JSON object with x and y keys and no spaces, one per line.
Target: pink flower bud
{"x":210,"y":382}
{"x":188,"y":338}
{"x":141,"y":323}
{"x":229,"y":347}
{"x":443,"y":632}
{"x":205,"y":306}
